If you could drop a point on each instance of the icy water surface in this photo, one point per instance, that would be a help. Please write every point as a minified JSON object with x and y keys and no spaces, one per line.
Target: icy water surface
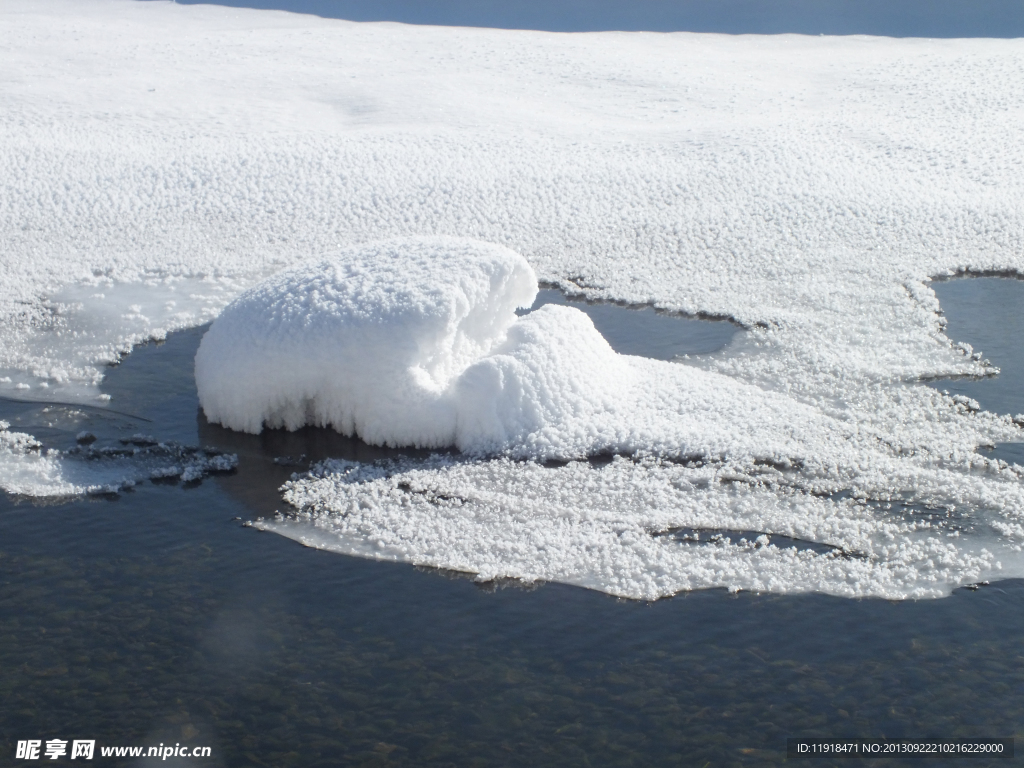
{"x":155,"y":616}
{"x":988,"y":314}
{"x":646,"y":332}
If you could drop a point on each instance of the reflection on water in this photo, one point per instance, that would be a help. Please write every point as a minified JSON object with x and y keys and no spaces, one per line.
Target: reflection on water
{"x":154,"y":616}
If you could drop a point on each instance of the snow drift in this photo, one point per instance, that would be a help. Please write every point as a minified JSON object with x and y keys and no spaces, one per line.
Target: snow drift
{"x":411,"y":342}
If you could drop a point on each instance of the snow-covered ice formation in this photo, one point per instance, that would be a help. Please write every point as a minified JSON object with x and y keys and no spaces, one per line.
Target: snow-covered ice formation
{"x":599,"y":528}
{"x":28,"y":469}
{"x":369,"y":341}
{"x":158,"y":160}
{"x":415,"y":342}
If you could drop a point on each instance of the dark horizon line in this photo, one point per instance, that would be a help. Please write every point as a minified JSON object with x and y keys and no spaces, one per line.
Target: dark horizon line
{"x":943,"y":19}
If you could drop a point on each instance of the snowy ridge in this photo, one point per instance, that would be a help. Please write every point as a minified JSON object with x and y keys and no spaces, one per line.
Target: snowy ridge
{"x":807,"y":187}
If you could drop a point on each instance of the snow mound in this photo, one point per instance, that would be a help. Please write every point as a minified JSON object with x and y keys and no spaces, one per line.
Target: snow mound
{"x":550,"y":389}
{"x":369,"y":342}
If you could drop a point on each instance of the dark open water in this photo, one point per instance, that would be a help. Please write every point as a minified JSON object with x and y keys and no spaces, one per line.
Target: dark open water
{"x":154,"y":616}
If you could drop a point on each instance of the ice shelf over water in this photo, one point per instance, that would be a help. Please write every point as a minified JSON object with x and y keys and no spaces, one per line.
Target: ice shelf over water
{"x":158,"y":160}
{"x":28,"y":469}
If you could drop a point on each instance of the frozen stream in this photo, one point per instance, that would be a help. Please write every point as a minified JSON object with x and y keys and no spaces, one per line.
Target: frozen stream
{"x":153,"y":616}
{"x":757,"y":505}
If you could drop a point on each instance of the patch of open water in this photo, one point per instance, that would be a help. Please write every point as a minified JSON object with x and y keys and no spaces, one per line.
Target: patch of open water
{"x":645,"y":331}
{"x":988,"y":314}
{"x":154,"y":616}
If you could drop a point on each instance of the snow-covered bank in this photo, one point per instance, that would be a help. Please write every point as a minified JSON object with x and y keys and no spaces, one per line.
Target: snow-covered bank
{"x":157,"y":160}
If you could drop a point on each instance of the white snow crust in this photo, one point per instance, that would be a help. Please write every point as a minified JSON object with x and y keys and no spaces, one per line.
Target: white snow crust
{"x":156,"y":161}
{"x":597,"y":527}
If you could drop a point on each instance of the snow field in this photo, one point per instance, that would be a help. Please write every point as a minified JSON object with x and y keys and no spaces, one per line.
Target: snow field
{"x":809,"y":188}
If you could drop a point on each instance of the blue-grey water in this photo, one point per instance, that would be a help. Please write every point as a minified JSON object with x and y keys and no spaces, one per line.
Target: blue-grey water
{"x":988,"y":314}
{"x":891,"y":18}
{"x":645,"y":331}
{"x":155,"y":616}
